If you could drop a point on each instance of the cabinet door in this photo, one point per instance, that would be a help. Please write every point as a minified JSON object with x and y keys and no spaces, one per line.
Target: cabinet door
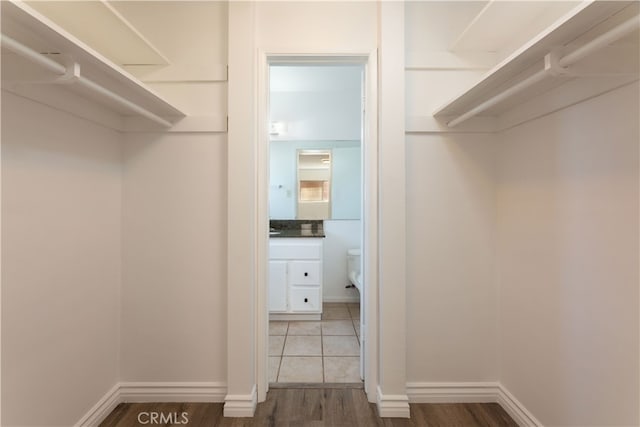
{"x":277,"y":286}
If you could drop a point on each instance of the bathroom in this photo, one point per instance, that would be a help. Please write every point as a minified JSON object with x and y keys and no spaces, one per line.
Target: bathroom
{"x":315,"y":191}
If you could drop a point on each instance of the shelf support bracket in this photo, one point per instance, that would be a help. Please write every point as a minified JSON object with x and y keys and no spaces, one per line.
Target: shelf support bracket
{"x":71,"y":74}
{"x":552,"y":65}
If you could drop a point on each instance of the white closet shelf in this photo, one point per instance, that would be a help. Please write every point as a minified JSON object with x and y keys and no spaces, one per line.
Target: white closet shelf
{"x":100,"y":24}
{"x":547,"y":61}
{"x":37,"y":51}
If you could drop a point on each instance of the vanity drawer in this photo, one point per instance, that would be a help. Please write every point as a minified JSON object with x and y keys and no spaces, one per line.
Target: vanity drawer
{"x":305,"y":299}
{"x":292,"y":251}
{"x":304,"y":272}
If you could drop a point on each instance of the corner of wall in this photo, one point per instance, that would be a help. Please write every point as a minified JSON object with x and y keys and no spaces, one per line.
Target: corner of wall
{"x":515,"y":408}
{"x":392,"y":405}
{"x":102,"y":408}
{"x":241,"y":405}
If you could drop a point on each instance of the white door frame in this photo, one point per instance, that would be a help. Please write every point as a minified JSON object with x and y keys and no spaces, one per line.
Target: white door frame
{"x":368,"y":58}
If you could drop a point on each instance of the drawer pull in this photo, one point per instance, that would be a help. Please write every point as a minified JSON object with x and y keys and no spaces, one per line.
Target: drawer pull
{"x":306,"y":300}
{"x":306,"y":274}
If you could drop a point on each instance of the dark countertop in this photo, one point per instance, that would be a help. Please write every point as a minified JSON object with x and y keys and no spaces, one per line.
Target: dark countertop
{"x":296,"y":232}
{"x":297,"y":228}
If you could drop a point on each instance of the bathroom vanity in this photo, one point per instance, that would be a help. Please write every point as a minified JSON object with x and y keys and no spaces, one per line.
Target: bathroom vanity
{"x":295,"y":275}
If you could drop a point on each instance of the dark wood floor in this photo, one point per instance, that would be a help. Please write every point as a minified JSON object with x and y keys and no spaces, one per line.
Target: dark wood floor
{"x":340,"y":407}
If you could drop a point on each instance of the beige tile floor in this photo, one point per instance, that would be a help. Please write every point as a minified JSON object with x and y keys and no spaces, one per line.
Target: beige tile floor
{"x":314,"y":352}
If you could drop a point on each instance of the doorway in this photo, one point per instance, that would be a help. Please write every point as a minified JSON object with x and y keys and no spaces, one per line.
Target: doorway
{"x":315,"y":205}
{"x":316,"y":163}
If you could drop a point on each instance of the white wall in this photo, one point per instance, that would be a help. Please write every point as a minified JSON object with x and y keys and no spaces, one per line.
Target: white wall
{"x":61,"y":259}
{"x":311,"y":107}
{"x":568,"y":249}
{"x":174,"y":271}
{"x":452,"y":295}
{"x":316,"y":25}
{"x":451,"y":290}
{"x":346,"y":185}
{"x":174,"y":202}
{"x":341,"y":235}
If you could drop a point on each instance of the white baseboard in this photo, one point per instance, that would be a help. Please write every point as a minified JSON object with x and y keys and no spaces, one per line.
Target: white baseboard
{"x":152,"y":392}
{"x":467,"y":392}
{"x":241,"y":405}
{"x":516,"y":409}
{"x":173,"y":391}
{"x":294,"y":316}
{"x":342,"y":299}
{"x":392,"y":405}
{"x":100,"y":410}
{"x":463,"y":392}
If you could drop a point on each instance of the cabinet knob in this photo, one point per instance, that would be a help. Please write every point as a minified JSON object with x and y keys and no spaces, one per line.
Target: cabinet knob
{"x":306,"y":300}
{"x":306,"y":274}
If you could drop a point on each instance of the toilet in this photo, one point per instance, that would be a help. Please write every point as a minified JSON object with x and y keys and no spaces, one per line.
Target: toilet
{"x":353,"y":267}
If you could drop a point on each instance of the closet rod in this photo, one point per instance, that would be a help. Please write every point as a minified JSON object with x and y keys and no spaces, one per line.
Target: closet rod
{"x":599,"y":42}
{"x":57,"y":68}
{"x":32,"y":55}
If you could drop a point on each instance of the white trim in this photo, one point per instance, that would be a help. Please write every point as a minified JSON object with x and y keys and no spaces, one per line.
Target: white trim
{"x":172,"y":391}
{"x":294,"y":316}
{"x":341,"y":299}
{"x":262,"y":227}
{"x":516,"y":409}
{"x":188,"y":124}
{"x":430,"y":124}
{"x":452,"y":392}
{"x":241,"y":405}
{"x":392,"y":405}
{"x":369,"y":235}
{"x":209,"y":73}
{"x":101,"y":409}
{"x":449,"y":61}
{"x":126,"y":392}
{"x":468,"y":392}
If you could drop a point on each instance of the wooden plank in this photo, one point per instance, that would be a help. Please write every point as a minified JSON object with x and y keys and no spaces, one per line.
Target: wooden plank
{"x":317,"y":407}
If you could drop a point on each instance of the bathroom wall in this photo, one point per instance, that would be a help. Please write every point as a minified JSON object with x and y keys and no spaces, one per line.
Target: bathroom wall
{"x":345,"y":176}
{"x":568,"y":198}
{"x":346,"y":188}
{"x":452,"y":297}
{"x":342,"y":235}
{"x":61,"y":263}
{"x":318,"y":103}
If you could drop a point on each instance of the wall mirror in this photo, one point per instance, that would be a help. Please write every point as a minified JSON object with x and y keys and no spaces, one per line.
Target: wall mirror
{"x":314,"y":180}
{"x":314,"y":184}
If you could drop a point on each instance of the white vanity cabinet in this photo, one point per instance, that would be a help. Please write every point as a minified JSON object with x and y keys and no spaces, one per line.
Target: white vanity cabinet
{"x":295,"y":278}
